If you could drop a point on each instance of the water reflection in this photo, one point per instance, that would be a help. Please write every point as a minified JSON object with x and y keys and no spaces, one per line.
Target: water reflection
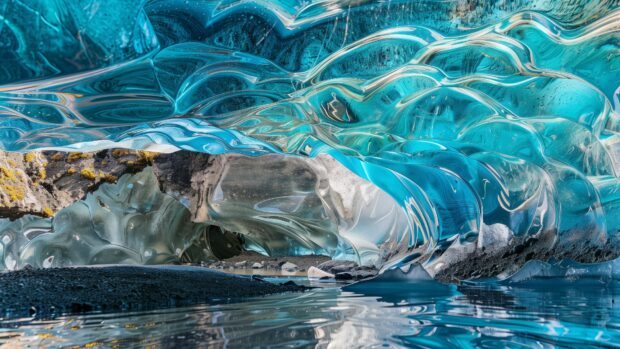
{"x":541,"y":314}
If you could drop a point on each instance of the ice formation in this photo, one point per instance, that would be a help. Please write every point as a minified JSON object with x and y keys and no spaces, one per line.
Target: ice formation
{"x":129,"y":222}
{"x":486,"y":122}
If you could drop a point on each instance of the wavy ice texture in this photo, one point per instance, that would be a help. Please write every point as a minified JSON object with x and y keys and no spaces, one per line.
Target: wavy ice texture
{"x":43,"y":38}
{"x":128,"y":222}
{"x":479,"y":118}
{"x":297,"y":206}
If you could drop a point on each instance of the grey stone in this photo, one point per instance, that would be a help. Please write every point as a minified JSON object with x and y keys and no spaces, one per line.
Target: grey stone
{"x":257,"y":266}
{"x":287,"y":266}
{"x":356,"y":275}
{"x":335,"y":266}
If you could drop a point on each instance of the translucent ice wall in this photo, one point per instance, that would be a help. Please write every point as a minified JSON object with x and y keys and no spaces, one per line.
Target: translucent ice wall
{"x":128,"y":222}
{"x":479,"y":118}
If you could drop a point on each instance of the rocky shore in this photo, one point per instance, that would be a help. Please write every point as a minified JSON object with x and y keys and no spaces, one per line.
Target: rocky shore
{"x":313,"y":267}
{"x":258,"y":262}
{"x":51,"y":292}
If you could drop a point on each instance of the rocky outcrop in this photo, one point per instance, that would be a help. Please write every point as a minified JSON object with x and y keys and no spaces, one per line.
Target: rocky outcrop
{"x":41,"y":183}
{"x":115,"y":288}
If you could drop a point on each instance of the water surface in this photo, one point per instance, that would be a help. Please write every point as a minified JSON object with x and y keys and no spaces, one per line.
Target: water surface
{"x":540,"y":314}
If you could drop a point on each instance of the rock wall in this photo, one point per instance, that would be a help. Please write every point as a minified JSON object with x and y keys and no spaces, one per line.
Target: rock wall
{"x":41,"y":183}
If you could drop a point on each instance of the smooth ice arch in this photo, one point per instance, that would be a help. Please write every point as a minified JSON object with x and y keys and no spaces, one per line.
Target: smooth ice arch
{"x":297,"y":206}
{"x":489,"y":124}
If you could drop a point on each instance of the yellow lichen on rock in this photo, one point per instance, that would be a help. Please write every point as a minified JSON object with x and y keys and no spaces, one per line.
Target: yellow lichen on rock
{"x":30,"y":157}
{"x":47,"y":212}
{"x":147,"y":156}
{"x":89,"y":173}
{"x":92,"y":174}
{"x":14,"y":193}
{"x":117,"y":153}
{"x":72,"y":157}
{"x":108,"y":177}
{"x":42,"y":173}
{"x":11,"y":185}
{"x":7,"y":173}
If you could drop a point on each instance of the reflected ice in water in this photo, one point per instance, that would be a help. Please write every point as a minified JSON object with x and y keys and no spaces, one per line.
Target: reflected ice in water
{"x":538,"y":314}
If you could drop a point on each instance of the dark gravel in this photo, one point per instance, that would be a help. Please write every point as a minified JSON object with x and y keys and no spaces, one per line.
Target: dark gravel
{"x":50,"y":292}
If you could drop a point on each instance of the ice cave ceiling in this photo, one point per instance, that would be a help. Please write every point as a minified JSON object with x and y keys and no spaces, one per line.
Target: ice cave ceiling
{"x":386,"y":132}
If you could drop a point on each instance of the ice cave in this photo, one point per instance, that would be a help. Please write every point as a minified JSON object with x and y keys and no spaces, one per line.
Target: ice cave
{"x":309,"y":173}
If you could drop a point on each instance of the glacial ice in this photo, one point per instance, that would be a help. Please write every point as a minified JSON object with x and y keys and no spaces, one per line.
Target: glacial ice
{"x":129,"y":222}
{"x":468,"y":114}
{"x":45,"y":38}
{"x":296,"y":206}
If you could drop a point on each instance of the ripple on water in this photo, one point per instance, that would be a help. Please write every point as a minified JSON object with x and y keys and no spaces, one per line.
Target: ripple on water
{"x":533,"y":315}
